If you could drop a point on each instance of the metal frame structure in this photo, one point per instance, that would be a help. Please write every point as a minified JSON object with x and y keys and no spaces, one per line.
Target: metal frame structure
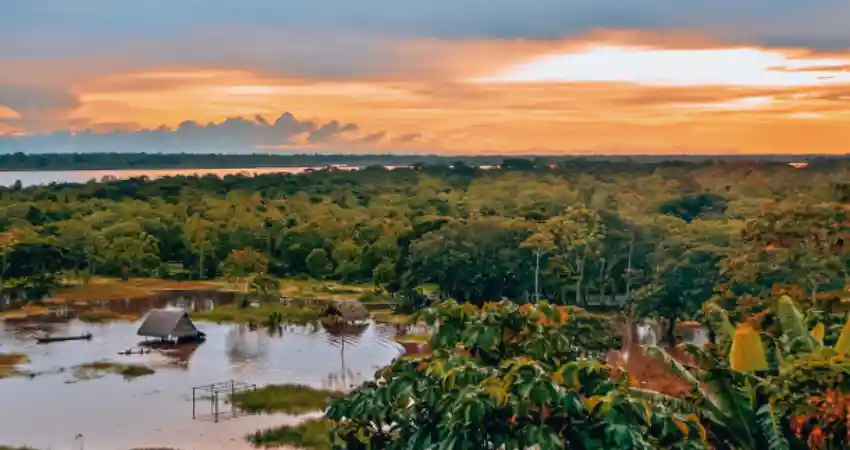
{"x":213,"y":390}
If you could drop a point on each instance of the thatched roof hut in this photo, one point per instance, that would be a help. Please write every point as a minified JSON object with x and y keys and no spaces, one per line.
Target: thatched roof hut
{"x":165,"y":323}
{"x":347,"y":311}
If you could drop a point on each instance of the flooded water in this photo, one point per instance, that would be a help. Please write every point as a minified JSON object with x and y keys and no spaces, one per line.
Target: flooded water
{"x":49,"y":410}
{"x":37,"y":177}
{"x":650,"y":372}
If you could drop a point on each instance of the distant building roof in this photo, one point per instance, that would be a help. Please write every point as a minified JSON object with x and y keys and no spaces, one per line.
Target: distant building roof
{"x":163,"y":323}
{"x":348,"y":310}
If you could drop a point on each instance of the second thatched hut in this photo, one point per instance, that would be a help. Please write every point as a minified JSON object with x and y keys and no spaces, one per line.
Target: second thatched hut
{"x":348,"y":311}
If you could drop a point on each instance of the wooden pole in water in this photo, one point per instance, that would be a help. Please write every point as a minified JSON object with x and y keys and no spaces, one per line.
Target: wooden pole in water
{"x":232,"y":393}
{"x":193,"y":403}
{"x":216,"y":405}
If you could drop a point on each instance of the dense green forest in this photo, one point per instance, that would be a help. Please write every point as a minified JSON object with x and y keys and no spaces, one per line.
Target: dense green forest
{"x":757,"y":244}
{"x":670,"y":234}
{"x":103,"y":161}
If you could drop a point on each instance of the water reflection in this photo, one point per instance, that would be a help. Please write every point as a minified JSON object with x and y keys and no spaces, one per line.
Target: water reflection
{"x":244,"y":345}
{"x":38,"y":177}
{"x":156,"y":410}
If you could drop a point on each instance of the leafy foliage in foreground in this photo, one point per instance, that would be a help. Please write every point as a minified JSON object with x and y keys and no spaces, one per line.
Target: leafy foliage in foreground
{"x":507,"y":376}
{"x":798,"y":400}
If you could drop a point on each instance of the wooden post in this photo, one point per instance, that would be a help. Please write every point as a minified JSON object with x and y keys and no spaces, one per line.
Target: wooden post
{"x":232,"y":393}
{"x":193,"y":403}
{"x":215,"y":395}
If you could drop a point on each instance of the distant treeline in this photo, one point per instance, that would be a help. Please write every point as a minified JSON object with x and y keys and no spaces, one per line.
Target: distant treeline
{"x":113,"y":161}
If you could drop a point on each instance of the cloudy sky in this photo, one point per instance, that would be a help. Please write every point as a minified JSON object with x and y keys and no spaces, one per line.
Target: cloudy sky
{"x":454,"y":76}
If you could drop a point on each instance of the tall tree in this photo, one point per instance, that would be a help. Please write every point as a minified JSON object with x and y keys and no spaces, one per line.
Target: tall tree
{"x":197,"y":232}
{"x":576,"y":236}
{"x":241,"y":266}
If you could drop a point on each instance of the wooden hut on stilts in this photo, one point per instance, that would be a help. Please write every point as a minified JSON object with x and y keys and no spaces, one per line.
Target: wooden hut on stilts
{"x":170,"y":326}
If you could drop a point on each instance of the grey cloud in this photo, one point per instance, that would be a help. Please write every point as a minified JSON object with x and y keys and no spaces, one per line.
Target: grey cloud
{"x":29,"y":98}
{"x":235,"y":134}
{"x":328,"y":132}
{"x":447,"y":18}
{"x":371,"y":139}
{"x":288,"y":125}
{"x":39,"y":107}
{"x":407,"y":138}
{"x":220,"y":30}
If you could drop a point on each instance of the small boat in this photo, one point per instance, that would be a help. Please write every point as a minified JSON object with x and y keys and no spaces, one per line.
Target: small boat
{"x":141,"y":351}
{"x":47,"y":339}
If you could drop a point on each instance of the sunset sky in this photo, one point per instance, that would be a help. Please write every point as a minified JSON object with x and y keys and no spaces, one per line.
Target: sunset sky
{"x":445,"y":76}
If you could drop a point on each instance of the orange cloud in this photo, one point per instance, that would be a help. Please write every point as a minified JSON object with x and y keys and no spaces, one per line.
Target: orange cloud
{"x":8,"y":113}
{"x":611,"y":91}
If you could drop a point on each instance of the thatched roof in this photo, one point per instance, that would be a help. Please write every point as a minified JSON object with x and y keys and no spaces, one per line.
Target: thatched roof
{"x":348,"y":310}
{"x":163,"y":323}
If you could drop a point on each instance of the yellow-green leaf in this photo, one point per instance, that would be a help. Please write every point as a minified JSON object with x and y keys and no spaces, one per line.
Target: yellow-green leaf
{"x":747,"y":353}
{"x":448,"y":378}
{"x":818,"y":332}
{"x":647,"y":412}
{"x":558,"y":378}
{"x":682,"y":426}
{"x":498,"y":391}
{"x":843,"y":344}
{"x":692,"y":418}
{"x":593,"y":401}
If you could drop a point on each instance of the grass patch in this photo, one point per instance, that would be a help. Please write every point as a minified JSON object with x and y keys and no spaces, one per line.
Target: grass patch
{"x":322,"y":290}
{"x":313,"y":434}
{"x":92,"y":292}
{"x":26,"y":312}
{"x":105,"y":289}
{"x":6,"y":447}
{"x":9,"y":364}
{"x":378,"y":301}
{"x":128,"y":371}
{"x":259,"y":314}
{"x":283,"y":398}
{"x":415,"y":356}
{"x":387,"y":316}
{"x":104,"y":315}
{"x":159,"y":284}
{"x":428,"y":289}
{"x":413,"y":338}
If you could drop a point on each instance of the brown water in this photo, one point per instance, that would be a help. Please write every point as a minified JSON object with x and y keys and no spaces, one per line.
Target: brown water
{"x":648,"y":371}
{"x":49,"y":410}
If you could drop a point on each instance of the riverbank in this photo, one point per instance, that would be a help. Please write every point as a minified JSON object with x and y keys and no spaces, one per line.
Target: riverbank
{"x":106,"y":300}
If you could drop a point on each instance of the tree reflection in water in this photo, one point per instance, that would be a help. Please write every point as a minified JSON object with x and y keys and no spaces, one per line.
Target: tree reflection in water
{"x":341,"y":334}
{"x":179,"y":356}
{"x":244,"y":345}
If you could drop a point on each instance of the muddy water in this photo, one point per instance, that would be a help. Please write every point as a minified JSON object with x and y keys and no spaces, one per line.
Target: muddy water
{"x":648,"y":371}
{"x":51,"y":409}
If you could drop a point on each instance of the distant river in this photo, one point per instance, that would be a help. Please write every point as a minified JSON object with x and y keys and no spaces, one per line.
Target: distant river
{"x":38,"y":177}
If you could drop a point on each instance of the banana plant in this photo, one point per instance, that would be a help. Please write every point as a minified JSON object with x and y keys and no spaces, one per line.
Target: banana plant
{"x":747,"y":402}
